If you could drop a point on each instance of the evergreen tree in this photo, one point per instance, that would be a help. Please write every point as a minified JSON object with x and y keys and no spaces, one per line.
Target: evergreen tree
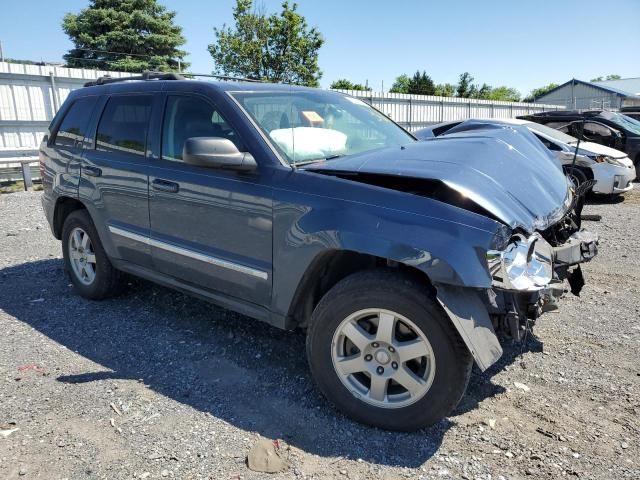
{"x":421,"y":84}
{"x":127,"y":35}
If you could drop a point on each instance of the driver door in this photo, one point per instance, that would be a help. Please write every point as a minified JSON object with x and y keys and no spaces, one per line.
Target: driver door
{"x":209,"y":227}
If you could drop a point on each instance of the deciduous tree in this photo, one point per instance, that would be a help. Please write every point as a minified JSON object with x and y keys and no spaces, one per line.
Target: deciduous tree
{"x":401,"y":84}
{"x":344,"y":84}
{"x":278,"y":47}
{"x":538,"y":92}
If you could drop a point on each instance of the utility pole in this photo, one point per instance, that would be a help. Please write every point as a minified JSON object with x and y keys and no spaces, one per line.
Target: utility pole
{"x":1,"y":52}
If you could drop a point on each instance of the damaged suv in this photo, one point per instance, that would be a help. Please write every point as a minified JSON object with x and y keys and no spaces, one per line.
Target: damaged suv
{"x":404,"y":261}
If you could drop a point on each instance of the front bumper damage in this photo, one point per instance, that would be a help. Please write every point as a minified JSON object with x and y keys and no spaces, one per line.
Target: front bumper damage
{"x":483,"y":316}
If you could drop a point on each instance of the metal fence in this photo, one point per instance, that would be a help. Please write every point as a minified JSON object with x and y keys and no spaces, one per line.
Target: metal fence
{"x":417,"y":111}
{"x":30,"y":95}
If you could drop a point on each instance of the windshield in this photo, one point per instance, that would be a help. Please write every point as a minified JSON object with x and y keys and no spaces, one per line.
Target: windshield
{"x":625,"y":122}
{"x":315,"y":125}
{"x":552,"y":132}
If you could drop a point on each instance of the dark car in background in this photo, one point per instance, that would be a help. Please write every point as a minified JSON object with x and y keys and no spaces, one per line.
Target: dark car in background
{"x":611,"y":129}
{"x":404,"y":261}
{"x":633,"y":112}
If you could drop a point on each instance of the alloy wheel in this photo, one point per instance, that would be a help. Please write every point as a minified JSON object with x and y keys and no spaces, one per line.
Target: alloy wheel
{"x":383,"y":358}
{"x":81,"y":256}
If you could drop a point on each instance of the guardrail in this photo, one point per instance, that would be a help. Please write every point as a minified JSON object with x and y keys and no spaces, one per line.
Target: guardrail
{"x":25,"y":163}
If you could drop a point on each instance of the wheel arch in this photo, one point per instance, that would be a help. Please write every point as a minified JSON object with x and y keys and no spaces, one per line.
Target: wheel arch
{"x":63,"y":208}
{"x":331,"y":266}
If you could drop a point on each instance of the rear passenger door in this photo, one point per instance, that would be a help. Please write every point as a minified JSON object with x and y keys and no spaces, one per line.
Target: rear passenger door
{"x":114,"y":176}
{"x":65,"y":146}
{"x":209,"y":227}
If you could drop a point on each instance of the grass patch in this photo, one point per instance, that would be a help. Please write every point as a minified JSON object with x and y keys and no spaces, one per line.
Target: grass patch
{"x":12,"y":187}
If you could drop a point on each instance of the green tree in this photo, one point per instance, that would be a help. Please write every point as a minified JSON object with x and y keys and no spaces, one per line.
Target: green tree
{"x":421,"y":84}
{"x":278,"y":47}
{"x":483,"y":92}
{"x":344,"y":84}
{"x":23,"y":62}
{"x":401,"y":84}
{"x":612,"y":76}
{"x":128,"y":35}
{"x":465,"y":86}
{"x":445,"y":90}
{"x":503,"y":93}
{"x":538,"y":92}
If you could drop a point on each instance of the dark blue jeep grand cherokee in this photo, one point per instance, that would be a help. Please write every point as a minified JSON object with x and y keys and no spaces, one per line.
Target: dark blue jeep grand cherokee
{"x":403,"y":260}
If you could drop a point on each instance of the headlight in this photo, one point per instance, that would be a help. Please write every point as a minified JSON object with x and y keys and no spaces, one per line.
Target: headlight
{"x":607,"y":159}
{"x":525,"y":264}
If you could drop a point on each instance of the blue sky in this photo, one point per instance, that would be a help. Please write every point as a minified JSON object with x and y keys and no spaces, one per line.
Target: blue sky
{"x":523,"y":44}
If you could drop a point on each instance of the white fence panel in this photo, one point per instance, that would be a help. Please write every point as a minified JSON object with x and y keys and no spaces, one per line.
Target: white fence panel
{"x":31,"y":94}
{"x":417,"y":111}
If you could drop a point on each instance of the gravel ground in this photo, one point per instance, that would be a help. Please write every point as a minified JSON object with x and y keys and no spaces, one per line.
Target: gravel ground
{"x":155,"y":384}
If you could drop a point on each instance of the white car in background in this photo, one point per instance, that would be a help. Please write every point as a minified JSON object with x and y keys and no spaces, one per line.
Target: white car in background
{"x":612,"y":169}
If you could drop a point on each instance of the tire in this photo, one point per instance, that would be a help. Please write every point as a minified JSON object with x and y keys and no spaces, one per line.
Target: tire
{"x":444,"y":371}
{"x":106,"y":279}
{"x":577,"y":176}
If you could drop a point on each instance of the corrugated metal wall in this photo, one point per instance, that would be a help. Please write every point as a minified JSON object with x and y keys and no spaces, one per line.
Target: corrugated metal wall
{"x":418,"y":111}
{"x":583,"y":97}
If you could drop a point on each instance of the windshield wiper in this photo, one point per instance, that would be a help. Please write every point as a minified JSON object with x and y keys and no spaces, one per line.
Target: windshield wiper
{"x":322,"y":159}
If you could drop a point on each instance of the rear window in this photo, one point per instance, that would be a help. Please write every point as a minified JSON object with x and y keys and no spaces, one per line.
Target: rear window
{"x":74,"y":124}
{"x":124,"y":124}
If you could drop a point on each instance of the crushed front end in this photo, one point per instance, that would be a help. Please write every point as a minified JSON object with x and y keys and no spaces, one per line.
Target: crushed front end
{"x":531,"y":272}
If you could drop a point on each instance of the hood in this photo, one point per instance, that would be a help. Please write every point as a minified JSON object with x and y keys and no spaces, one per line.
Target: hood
{"x":591,"y":148}
{"x":501,"y":170}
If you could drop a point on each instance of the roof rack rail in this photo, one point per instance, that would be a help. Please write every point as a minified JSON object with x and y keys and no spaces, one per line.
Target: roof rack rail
{"x":225,"y":77}
{"x":145,"y":76}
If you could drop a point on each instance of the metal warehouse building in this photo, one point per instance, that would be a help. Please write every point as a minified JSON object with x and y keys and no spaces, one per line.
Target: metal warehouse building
{"x":609,"y":94}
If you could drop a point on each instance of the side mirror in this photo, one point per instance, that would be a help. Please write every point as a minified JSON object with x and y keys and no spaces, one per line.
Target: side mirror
{"x":216,"y":152}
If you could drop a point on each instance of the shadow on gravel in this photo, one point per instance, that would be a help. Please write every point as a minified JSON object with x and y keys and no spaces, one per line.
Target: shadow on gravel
{"x":239,"y":370}
{"x":595,"y":199}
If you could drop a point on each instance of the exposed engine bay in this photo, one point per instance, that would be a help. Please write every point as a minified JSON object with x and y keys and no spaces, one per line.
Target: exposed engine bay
{"x":514,"y":306}
{"x":512,"y":312}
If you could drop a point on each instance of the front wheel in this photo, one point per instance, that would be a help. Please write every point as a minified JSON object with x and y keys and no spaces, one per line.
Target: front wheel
{"x":384,"y":352}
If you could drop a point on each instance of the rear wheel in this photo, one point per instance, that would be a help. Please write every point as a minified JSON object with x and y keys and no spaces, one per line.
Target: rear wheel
{"x":384,"y":352}
{"x":85,"y":260}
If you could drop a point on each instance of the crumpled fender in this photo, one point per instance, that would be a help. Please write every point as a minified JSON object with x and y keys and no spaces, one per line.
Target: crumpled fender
{"x":469,"y":315}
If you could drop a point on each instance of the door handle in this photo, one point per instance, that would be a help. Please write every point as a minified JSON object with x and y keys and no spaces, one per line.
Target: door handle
{"x":165,"y":186}
{"x":92,"y":171}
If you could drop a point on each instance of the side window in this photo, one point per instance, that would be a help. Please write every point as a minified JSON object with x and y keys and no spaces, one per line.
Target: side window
{"x":74,"y":124}
{"x":124,"y":124}
{"x":186,"y":117}
{"x":596,"y":130}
